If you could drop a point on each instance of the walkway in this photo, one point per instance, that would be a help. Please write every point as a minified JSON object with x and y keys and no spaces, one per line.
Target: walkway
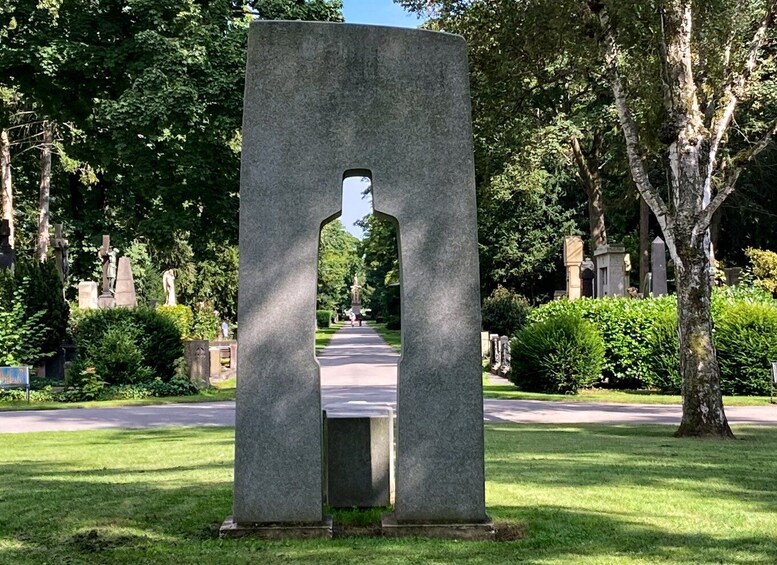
{"x":358,"y":374}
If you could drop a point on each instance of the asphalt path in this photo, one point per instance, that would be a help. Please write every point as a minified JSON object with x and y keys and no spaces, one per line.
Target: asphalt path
{"x":358,"y":375}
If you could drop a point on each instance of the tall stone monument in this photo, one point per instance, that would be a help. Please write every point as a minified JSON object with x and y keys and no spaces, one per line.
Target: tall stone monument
{"x":573,"y":257}
{"x":323,"y":102}
{"x":658,"y":282}
{"x":124,"y":294}
{"x":612,"y":270}
{"x":108,"y":258}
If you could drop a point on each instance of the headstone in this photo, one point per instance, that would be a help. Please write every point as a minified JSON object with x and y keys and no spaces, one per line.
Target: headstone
{"x":612,"y":268}
{"x":573,"y":256}
{"x":215,"y":361}
{"x":733,"y":275}
{"x":197,"y":362}
{"x":658,"y":268}
{"x":324,"y":101}
{"x":356,"y":297}
{"x":87,"y":295}
{"x":125,"y":285}
{"x":504,"y":348}
{"x":60,"y":246}
{"x":359,"y":459}
{"x":168,"y":284}
{"x":484,"y":345}
{"x":496,"y":353}
{"x":587,"y":276}
{"x":7,"y":253}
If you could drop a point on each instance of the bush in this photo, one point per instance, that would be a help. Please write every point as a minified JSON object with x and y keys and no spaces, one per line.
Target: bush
{"x":558,"y":355}
{"x":505,"y":312}
{"x":206,"y":322}
{"x":664,"y":359}
{"x":22,"y":334}
{"x":746,"y":340}
{"x":393,"y":323}
{"x":764,"y":267}
{"x":323,"y":318}
{"x":127,"y":346}
{"x":181,"y":316}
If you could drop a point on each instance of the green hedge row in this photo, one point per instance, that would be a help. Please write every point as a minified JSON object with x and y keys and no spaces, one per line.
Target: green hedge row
{"x":640,"y":342}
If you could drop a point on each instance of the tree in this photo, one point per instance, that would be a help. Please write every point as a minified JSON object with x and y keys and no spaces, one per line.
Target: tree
{"x":338,"y":262}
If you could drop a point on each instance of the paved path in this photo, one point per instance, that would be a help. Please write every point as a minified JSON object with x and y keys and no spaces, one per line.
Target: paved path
{"x":358,"y":374}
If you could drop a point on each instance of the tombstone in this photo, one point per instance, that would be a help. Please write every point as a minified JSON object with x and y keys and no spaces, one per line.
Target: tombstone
{"x":484,"y":345}
{"x":125,"y":285}
{"x":573,"y":256}
{"x":60,"y":246}
{"x":733,"y":275}
{"x":504,"y":348}
{"x":87,"y":295}
{"x":359,"y":459}
{"x":197,"y":361}
{"x":587,"y":276}
{"x":107,"y":258}
{"x":496,"y":353}
{"x":612,"y":267}
{"x":7,"y":253}
{"x":326,"y":101}
{"x":356,"y":298}
{"x":658,"y":286}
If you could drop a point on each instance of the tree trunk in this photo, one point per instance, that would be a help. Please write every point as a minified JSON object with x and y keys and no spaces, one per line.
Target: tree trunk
{"x":644,"y":241}
{"x":6,"y":187}
{"x":42,"y":247}
{"x":703,"y":414}
{"x":587,"y":167}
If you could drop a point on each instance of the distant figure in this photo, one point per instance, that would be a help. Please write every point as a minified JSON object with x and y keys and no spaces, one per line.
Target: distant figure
{"x":168,"y":282}
{"x":225,"y":329}
{"x":352,"y":317}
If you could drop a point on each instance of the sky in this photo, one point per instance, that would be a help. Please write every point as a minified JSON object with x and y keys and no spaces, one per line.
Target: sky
{"x":376,"y":12}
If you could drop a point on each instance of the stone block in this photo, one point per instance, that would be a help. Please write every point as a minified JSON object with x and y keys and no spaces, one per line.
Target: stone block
{"x":125,"y":285}
{"x":197,"y":361}
{"x":87,"y":295}
{"x":359,"y":459}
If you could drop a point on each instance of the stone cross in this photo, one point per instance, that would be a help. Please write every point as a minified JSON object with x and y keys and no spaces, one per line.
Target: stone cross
{"x":322,"y":102}
{"x":658,"y":267}
{"x":104,"y":254}
{"x":60,"y":246}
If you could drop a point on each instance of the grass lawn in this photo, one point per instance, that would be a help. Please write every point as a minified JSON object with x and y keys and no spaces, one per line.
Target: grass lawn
{"x":610,"y":396}
{"x":392,"y":337}
{"x":224,"y":390}
{"x":582,"y":494}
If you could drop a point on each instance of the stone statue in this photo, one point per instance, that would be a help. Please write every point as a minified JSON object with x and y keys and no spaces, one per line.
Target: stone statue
{"x":113,"y":261}
{"x":356,"y":291}
{"x":168,"y":282}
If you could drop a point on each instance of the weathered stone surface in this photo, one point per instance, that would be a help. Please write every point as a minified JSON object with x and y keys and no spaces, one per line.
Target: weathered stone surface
{"x":232,"y":529}
{"x":612,"y":278}
{"x":87,"y":295}
{"x":324,"y":101}
{"x":360,"y":459}
{"x":197,"y":361}
{"x":125,"y":285}
{"x":391,"y":528}
{"x":658,"y":267}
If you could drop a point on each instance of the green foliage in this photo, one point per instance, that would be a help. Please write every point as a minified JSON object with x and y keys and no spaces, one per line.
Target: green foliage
{"x":22,"y":335}
{"x":323,"y":318}
{"x":180,"y":315}
{"x":381,"y":263}
{"x":88,"y":385}
{"x":338,"y":262}
{"x":663,"y":363}
{"x":126,"y":346}
{"x":560,"y":354}
{"x":179,"y":385}
{"x":746,"y":341}
{"x":626,"y":326}
{"x":148,"y":279}
{"x":505,"y":312}
{"x":764,"y":267}
{"x":206,"y":322}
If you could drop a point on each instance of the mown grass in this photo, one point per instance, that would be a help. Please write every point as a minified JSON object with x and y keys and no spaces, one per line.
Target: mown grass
{"x":581,"y":494}
{"x":508,"y":391}
{"x":391,"y":337}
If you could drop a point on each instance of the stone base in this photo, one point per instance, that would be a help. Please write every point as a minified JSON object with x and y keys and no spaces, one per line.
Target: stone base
{"x":231,"y":529}
{"x":483,"y":531}
{"x":106,"y":301}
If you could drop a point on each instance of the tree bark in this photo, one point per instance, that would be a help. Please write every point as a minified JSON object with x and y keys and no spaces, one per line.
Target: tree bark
{"x":587,"y":166}
{"x":703,"y":414}
{"x":6,"y":186}
{"x":42,"y":247}
{"x":644,"y":242}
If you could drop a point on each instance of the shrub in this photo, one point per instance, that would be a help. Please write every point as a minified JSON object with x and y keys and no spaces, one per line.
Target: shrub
{"x":22,"y":335}
{"x":560,"y":354}
{"x":664,"y":359}
{"x":127,"y":346}
{"x":206,"y":322}
{"x":179,"y":385}
{"x":764,"y":267}
{"x":393,"y":323}
{"x":746,"y":340}
{"x":505,"y":312}
{"x":323,"y":318}
{"x":181,"y":316}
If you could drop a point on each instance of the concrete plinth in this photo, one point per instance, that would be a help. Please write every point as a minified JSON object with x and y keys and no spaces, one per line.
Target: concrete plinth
{"x":106,"y":301}
{"x":481,"y":531}
{"x":231,"y":529}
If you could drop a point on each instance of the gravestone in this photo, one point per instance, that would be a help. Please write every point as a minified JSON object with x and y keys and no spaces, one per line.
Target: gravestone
{"x":504,"y":348}
{"x":496,"y":353}
{"x":612,"y":270}
{"x":7,"y":254}
{"x":359,"y":459}
{"x":107,"y":257}
{"x":125,"y":285}
{"x":326,"y":101}
{"x":484,"y":345}
{"x":658,"y":283}
{"x":733,"y":274}
{"x":60,"y":246}
{"x":573,"y":256}
{"x":87,"y":295}
{"x":587,"y":276}
{"x":197,"y":361}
